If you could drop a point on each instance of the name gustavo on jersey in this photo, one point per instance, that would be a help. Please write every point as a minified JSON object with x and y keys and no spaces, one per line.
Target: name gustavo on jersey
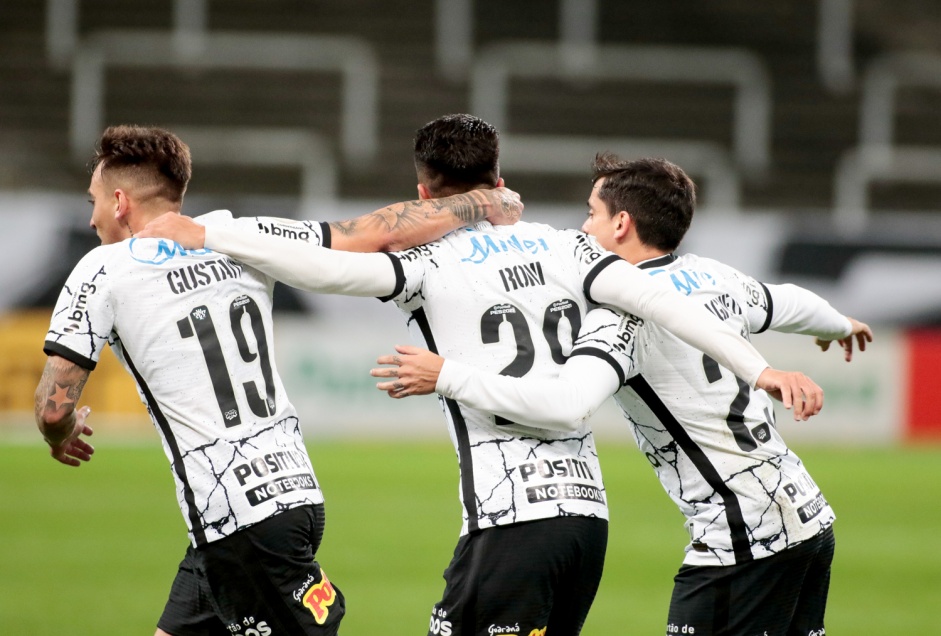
{"x":202,"y":274}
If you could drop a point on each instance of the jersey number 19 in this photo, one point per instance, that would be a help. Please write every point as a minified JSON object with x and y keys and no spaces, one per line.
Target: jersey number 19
{"x":199,"y":323}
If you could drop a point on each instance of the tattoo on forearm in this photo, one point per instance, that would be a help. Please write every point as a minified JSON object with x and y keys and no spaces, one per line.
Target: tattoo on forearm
{"x":345,"y":227}
{"x":60,"y":397}
{"x":59,"y":390}
{"x":467,"y":208}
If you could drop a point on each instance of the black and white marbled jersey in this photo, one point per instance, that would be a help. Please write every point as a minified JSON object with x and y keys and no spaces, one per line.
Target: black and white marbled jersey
{"x":194,"y":328}
{"x":709,"y":436}
{"x":508,"y":299}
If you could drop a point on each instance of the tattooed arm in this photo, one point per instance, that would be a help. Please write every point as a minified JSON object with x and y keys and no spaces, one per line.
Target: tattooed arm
{"x":59,"y":422}
{"x":395,"y":227}
{"x":403,"y":225}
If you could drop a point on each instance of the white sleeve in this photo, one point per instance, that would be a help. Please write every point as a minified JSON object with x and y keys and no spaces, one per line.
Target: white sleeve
{"x":562,"y":404}
{"x":305,"y":266}
{"x":629,"y":289}
{"x":798,"y":310}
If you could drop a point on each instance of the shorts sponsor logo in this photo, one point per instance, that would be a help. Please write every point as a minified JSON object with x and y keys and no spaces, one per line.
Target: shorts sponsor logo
{"x":538,"y":632}
{"x":318,"y":599}
{"x":248,"y":627}
{"x":817,"y":632}
{"x":504,"y":629}
{"x":555,"y":492}
{"x":438,"y":626}
{"x":281,"y":485}
{"x":676,"y":629}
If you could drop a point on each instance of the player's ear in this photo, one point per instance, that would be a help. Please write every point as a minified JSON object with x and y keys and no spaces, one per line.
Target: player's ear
{"x":122,"y":204}
{"x":423,"y":192}
{"x":500,"y":183}
{"x":622,"y":224}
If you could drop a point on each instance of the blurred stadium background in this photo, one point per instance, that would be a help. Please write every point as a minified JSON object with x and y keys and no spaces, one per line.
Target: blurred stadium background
{"x":813,"y":129}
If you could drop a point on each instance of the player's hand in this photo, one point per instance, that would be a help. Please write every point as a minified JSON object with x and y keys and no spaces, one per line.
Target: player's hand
{"x":793,"y":388}
{"x":176,"y":227}
{"x":414,"y":371}
{"x":508,"y":208}
{"x":74,"y":450}
{"x":861,"y":333}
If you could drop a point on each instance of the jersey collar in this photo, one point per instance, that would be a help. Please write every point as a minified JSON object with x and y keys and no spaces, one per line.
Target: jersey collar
{"x":660,"y":261}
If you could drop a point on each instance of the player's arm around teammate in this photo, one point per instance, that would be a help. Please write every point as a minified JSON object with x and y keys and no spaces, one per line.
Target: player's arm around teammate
{"x":563,"y":403}
{"x":395,"y":227}
{"x":617,"y":283}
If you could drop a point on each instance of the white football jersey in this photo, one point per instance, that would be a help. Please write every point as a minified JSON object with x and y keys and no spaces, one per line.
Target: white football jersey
{"x":710,"y":438}
{"x":508,"y":299}
{"x":194,"y":328}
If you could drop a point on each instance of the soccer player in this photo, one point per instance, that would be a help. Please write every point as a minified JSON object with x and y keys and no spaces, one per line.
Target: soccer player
{"x":508,"y":299}
{"x":761,"y":541}
{"x":194,"y":328}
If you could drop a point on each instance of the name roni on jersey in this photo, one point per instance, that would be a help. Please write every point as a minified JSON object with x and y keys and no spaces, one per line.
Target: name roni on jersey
{"x":521,"y":276}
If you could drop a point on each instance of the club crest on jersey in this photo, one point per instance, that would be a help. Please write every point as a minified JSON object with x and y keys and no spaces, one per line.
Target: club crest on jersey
{"x":319,"y":597}
{"x":159,"y":251}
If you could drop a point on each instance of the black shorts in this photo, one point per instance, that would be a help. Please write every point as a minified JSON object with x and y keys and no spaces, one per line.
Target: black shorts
{"x":526,"y":579}
{"x":259,"y":581}
{"x":780,"y":595}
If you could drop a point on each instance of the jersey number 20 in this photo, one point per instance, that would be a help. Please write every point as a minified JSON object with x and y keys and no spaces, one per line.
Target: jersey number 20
{"x":525,"y":351}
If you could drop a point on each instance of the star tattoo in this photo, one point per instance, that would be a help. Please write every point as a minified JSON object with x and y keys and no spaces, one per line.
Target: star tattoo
{"x":61,"y":396}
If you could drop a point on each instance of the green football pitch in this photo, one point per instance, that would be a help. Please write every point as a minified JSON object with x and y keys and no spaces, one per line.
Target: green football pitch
{"x":93,"y":550}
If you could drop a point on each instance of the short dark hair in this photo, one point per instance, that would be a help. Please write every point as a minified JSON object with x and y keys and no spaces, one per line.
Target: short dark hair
{"x":658,"y":195}
{"x":457,"y":153}
{"x":151,"y":158}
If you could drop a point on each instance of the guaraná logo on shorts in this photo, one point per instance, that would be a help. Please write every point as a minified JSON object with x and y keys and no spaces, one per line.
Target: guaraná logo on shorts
{"x":318,"y":599}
